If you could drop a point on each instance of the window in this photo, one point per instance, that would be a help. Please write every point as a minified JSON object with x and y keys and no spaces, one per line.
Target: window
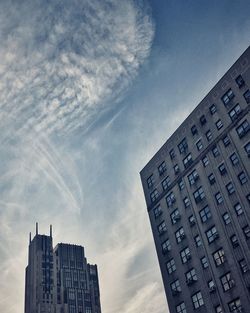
{"x":194,"y":130}
{"x":239,"y":81}
{"x":243,"y":129}
{"x":246,"y":231}
{"x":154,"y":195}
{"x":226,"y":218}
{"x":247,"y":148}
{"x":162,"y":228}
{"x":219,"y":124}
{"x":211,"y":179}
{"x":180,"y":235}
{"x":222,"y":169}
{"x":230,"y":188}
{"x":234,"y":159}
{"x":227,"y":97}
{"x":218,"y":309}
{"x":238,"y":209}
{"x":191,"y":220}
{"x":227,"y":282}
{"x":235,"y":306}
{"x":235,"y":112}
{"x":150,"y":181}
{"x":209,"y":135}
{"x":199,"y":195}
{"x":186,"y":202}
{"x":181,"y":184}
{"x":204,"y":262}
{"x":197,"y":240}
{"x":170,"y":199}
{"x":234,"y":241}
{"x":185,"y":255}
{"x":243,"y":266}
{"x":248,"y":197}
{"x":211,"y":285}
{"x":176,"y":169}
{"x":176,"y":287}
{"x":212,"y":234}
{"x":226,"y":141}
{"x":166,"y":246}
{"x":218,"y":198}
{"x":162,"y":168}
{"x":197,"y":300}
{"x":212,"y":109}
{"x":191,"y":276}
{"x":199,"y":145}
{"x":219,"y":257}
{"x":215,"y":151}
{"x":181,"y":308}
{"x":242,"y":178}
{"x":172,"y":154}
{"x":247,"y":96}
{"x":183,"y":146}
{"x":188,"y":160}
{"x":205,"y":161}
{"x":193,"y":177}
{"x":175,"y":216}
{"x":203,"y":120}
{"x":166,"y":183}
{"x":157,"y":211}
{"x":171,"y":266}
{"x":205,"y":214}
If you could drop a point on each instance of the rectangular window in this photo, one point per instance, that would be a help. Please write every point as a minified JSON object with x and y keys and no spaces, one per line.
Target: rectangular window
{"x":175,"y":216}
{"x":234,"y":241}
{"x":209,"y":135}
{"x":176,"y":169}
{"x":227,"y":282}
{"x":181,"y":184}
{"x":235,"y":112}
{"x":197,"y":300}
{"x":197,"y":240}
{"x":226,"y":218}
{"x":166,"y":246}
{"x":176,"y":287}
{"x":193,"y":177}
{"x":219,"y":124}
{"x":157,"y":211}
{"x":212,"y":234}
{"x":246,"y":231}
{"x":230,"y":188}
{"x":212,"y":109}
{"x":162,"y":228}
{"x":205,"y":161}
{"x":186,"y":202}
{"x":205,"y":214}
{"x":171,"y":267}
{"x":226,"y":141}
{"x":191,"y":276}
{"x":199,"y":145}
{"x":185,"y":255}
{"x":247,"y":96}
{"x":215,"y":151}
{"x":199,"y":195}
{"x":247,"y":148}
{"x":211,"y":286}
{"x":194,"y":130}
{"x":150,"y":181}
{"x":227,"y":97}
{"x":162,"y":168}
{"x":243,"y":266}
{"x":183,"y":146}
{"x":188,"y":160}
{"x":222,"y":169}
{"x":154,"y":195}
{"x":234,"y":159}
{"x":172,"y":154}
{"x":170,"y":199}
{"x":243,"y":129}
{"x":180,"y":235}
{"x":238,"y":209}
{"x":242,"y":178}
{"x":166,"y":183}
{"x":191,"y":220}
{"x":219,"y":257}
{"x":211,"y":179}
{"x":235,"y":306}
{"x":204,"y":262}
{"x":218,"y":198}
{"x":203,"y":120}
{"x":240,"y":81}
{"x":218,"y":309}
{"x":181,"y":308}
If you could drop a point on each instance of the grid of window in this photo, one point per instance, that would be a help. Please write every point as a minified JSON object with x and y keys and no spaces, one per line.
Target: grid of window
{"x":212,"y":234}
{"x":162,"y":168}
{"x":234,"y":241}
{"x":175,"y":286}
{"x":154,"y":195}
{"x":227,"y":97}
{"x":235,"y":306}
{"x":205,"y":161}
{"x":230,"y":188}
{"x":197,"y":300}
{"x":180,"y":235}
{"x":175,"y":216}
{"x":199,"y":145}
{"x":226,"y":218}
{"x":246,"y":231}
{"x":212,"y":109}
{"x":172,"y":154}
{"x":240,"y":81}
{"x":211,"y":179}
{"x":166,"y":246}
{"x":199,"y":195}
{"x":246,"y":95}
{"x":157,"y":211}
{"x":186,"y":202}
{"x":188,"y":160}
{"x":150,"y":181}
{"x":235,"y":112}
{"x":193,"y":177}
{"x":234,"y":159}
{"x":218,"y":198}
{"x":209,"y":135}
{"x":215,"y":151}
{"x":222,"y":169}
{"x":203,"y":120}
{"x":171,"y":267}
{"x":194,"y":130}
{"x":191,"y":220}
{"x":219,"y":257}
{"x":242,"y":178}
{"x":226,"y":281}
{"x":170,"y":199}
{"x":197,"y":240}
{"x":247,"y":148}
{"x":238,"y":209}
{"x":226,"y":141}
{"x":204,"y":262}
{"x":166,"y":183}
{"x":219,"y":124}
{"x":185,"y":255}
{"x":191,"y":276}
{"x":181,"y":184}
{"x":181,"y":308}
{"x":205,"y":214}
{"x":243,"y":129}
{"x":183,"y":146}
{"x":162,"y":228}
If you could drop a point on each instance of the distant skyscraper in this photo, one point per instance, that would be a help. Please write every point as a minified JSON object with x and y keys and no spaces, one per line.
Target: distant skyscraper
{"x":197,"y":191}
{"x":60,"y":281}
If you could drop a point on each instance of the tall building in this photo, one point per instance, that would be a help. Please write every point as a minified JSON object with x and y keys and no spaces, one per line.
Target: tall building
{"x":197,"y":191}
{"x":59,"y":280}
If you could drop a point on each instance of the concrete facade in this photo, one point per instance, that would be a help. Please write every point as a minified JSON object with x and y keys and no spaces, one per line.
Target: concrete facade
{"x":197,"y":192}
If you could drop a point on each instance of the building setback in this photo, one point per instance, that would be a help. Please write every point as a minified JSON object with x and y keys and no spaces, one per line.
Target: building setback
{"x":197,"y":191}
{"x":59,"y":280}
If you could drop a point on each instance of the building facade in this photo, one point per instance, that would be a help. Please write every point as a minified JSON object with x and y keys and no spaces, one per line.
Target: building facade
{"x":197,"y":191}
{"x":60,"y":280}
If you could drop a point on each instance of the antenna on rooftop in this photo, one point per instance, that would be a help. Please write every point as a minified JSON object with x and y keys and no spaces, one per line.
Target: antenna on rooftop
{"x":50,"y":231}
{"x":36,"y":228}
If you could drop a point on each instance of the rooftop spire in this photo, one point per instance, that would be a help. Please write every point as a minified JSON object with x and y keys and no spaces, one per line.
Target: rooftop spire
{"x":36,"y":228}
{"x":50,"y":231}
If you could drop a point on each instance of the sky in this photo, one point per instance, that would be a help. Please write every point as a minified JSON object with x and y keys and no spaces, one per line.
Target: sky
{"x":89,"y":91}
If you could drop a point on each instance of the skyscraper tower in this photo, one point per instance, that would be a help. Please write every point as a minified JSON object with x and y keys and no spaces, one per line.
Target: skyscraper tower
{"x":197,"y":191}
{"x":59,"y":280}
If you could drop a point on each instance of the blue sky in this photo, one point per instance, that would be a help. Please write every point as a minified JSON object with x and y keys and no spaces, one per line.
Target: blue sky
{"x":89,"y":91}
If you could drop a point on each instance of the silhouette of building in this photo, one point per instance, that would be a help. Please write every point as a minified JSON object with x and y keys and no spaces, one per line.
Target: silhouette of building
{"x":197,"y":191}
{"x":59,"y":280}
